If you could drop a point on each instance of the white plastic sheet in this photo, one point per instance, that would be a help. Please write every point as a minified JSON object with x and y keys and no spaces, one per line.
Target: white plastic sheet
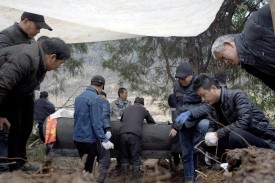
{"x":62,"y":113}
{"x":100,"y":20}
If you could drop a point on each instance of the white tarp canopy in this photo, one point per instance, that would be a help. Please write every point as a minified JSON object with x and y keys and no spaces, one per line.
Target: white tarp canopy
{"x":78,"y":21}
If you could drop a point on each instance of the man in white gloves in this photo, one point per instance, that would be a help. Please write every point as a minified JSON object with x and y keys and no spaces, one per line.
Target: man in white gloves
{"x":88,"y":123}
{"x":238,"y":122}
{"x":104,"y":159}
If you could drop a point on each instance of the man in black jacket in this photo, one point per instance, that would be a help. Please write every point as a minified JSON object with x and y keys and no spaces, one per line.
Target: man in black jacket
{"x":253,"y":49}
{"x":131,"y":136}
{"x":191,"y":121}
{"x":19,"y":33}
{"x":42,"y":109}
{"x":22,"y":68}
{"x":238,"y":122}
{"x":24,"y":31}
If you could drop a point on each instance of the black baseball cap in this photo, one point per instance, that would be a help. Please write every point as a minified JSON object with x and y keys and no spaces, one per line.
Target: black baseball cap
{"x":183,"y":70}
{"x":37,"y":19}
{"x":98,"y":79}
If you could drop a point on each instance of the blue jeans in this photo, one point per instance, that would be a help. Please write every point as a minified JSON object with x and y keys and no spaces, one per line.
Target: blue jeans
{"x":189,"y":137}
{"x":4,"y":149}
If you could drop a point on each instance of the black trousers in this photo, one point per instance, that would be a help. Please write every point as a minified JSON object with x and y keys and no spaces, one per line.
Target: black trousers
{"x":130,"y":149}
{"x":236,"y":139}
{"x":41,"y":133}
{"x":91,"y":150}
{"x":176,"y":149}
{"x":21,"y":119}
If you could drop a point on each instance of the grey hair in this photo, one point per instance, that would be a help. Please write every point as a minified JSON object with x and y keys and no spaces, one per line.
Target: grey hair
{"x":218,"y":44}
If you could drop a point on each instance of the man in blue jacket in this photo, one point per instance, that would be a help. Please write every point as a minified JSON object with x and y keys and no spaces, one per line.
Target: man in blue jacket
{"x":104,"y":160}
{"x":88,"y":123}
{"x":253,"y":49}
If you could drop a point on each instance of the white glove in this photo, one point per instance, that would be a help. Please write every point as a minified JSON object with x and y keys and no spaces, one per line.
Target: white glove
{"x":211,"y":139}
{"x":108,"y":134}
{"x":108,"y":145}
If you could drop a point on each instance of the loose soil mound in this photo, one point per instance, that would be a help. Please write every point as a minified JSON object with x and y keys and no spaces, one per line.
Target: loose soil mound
{"x":250,"y":165}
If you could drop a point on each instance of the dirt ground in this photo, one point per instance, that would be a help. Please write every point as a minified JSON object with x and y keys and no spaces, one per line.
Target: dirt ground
{"x":251,"y":165}
{"x":66,"y":170}
{"x":71,"y":174}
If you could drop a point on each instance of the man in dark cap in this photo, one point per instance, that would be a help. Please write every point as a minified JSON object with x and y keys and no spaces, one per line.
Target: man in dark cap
{"x":88,"y":124}
{"x":191,"y":119}
{"x":24,"y":31}
{"x":22,"y":68}
{"x":19,"y":33}
{"x":131,"y":137}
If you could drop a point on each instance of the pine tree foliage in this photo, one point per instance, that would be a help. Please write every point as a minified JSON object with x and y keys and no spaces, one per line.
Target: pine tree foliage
{"x":149,"y":63}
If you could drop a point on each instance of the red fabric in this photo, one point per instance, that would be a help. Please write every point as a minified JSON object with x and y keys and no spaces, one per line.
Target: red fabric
{"x":50,"y":130}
